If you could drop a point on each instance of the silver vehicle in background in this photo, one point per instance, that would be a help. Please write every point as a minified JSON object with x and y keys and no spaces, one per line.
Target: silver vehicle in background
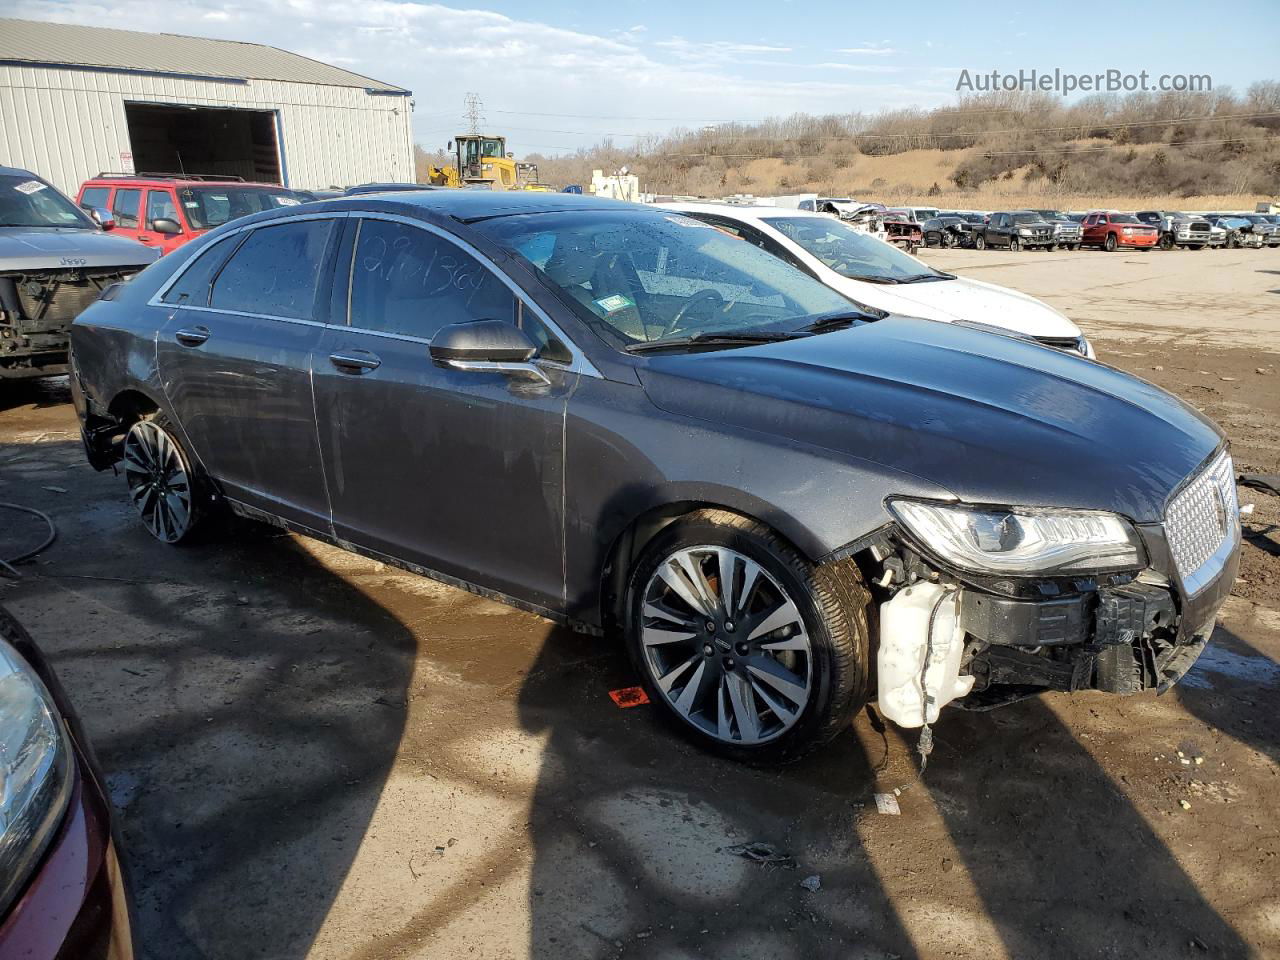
{"x":1179,"y":229}
{"x":54,"y":261}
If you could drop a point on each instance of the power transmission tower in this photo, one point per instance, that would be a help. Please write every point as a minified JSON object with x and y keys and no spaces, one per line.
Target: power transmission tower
{"x":473,"y":112}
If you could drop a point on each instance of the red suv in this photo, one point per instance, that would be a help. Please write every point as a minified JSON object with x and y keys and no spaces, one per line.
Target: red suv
{"x":166,"y":211}
{"x":1109,"y":230}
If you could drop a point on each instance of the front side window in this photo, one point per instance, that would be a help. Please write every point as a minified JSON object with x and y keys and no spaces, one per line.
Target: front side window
{"x":409,"y":281}
{"x":209,"y":207}
{"x":25,"y":202}
{"x":275,"y":271}
{"x":160,"y":205}
{"x":125,"y":207}
{"x":846,"y":251}
{"x":638,"y":277}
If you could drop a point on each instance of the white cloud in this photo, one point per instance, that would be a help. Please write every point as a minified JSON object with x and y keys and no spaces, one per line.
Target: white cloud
{"x":868,"y":51}
{"x":861,"y":67}
{"x":524,"y":70}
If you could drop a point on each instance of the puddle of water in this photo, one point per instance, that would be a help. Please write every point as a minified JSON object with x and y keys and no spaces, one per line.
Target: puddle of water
{"x":1217,"y":661}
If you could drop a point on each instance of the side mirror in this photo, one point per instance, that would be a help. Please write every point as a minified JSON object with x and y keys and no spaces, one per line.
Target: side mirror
{"x":166,"y":225}
{"x":486,"y":346}
{"x":103,"y":218}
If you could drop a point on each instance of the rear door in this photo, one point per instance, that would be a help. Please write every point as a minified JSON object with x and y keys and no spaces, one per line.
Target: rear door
{"x":460,"y":472}
{"x":126,"y":209}
{"x":235,"y":358}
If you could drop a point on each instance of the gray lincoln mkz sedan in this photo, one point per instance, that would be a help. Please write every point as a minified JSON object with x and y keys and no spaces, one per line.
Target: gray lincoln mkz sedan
{"x":624,"y":419}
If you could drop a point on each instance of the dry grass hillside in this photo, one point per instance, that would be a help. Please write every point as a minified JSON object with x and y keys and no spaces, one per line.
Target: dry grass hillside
{"x":1203,"y":150}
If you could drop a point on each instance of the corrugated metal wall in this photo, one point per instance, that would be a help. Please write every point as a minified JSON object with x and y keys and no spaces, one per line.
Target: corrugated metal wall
{"x":67,"y":124}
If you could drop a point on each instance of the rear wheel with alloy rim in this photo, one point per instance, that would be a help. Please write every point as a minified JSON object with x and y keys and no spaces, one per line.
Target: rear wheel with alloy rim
{"x":979,"y":242}
{"x":162,"y":484}
{"x":751,"y":649}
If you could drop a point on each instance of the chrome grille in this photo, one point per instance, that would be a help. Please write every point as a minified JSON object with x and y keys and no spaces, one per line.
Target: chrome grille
{"x":1203,"y":517}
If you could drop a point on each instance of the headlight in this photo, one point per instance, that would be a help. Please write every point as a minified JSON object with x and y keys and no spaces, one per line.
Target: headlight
{"x":1128,"y":230}
{"x":35,"y":772}
{"x":1022,"y":542}
{"x":1025,"y":233}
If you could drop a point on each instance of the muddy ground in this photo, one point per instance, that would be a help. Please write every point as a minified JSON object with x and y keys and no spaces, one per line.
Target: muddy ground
{"x":316,"y":756}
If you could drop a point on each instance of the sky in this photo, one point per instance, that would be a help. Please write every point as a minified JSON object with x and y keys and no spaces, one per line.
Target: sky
{"x":554,"y":76}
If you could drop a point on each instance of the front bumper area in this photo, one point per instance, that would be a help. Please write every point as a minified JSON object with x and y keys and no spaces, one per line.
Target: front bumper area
{"x":1119,"y":638}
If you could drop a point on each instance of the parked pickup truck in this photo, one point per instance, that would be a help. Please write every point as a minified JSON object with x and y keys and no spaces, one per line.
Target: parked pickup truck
{"x":1110,"y":229}
{"x":54,"y":262}
{"x":1178,"y":229}
{"x":1015,"y":230}
{"x":1067,"y":232}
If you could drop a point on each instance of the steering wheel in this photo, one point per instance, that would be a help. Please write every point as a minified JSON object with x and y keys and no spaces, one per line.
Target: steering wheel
{"x":711,"y":297}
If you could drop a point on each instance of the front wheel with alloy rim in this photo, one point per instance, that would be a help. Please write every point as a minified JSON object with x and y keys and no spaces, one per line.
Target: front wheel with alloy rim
{"x":1110,"y":243}
{"x":751,"y":649}
{"x":1014,"y":244}
{"x":162,"y":485}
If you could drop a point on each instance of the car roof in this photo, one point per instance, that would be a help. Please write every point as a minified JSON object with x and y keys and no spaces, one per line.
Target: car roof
{"x":468,"y":205}
{"x":18,"y":172}
{"x":146,"y":181}
{"x":738,"y":211}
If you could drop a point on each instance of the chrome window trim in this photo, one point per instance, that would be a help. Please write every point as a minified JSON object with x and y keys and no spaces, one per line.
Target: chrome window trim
{"x":579,"y":364}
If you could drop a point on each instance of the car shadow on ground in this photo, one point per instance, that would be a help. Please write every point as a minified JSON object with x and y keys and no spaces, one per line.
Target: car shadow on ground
{"x":41,"y":393}
{"x":632,"y":832}
{"x":246,"y":704}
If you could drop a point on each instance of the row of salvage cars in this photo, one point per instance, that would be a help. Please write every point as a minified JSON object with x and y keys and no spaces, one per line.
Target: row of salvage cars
{"x":1105,"y":229}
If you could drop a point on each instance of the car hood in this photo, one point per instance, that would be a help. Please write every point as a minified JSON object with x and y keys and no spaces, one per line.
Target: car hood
{"x":963,"y":299}
{"x":992,"y":419}
{"x":58,"y":248}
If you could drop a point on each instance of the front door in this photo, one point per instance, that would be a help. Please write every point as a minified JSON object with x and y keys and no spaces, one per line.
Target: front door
{"x":236,"y":363}
{"x":460,"y":472}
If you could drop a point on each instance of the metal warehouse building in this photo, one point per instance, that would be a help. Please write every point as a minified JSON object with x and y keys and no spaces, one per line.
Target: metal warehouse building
{"x":76,"y":101}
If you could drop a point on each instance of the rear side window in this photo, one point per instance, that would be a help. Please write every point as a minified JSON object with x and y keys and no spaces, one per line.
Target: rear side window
{"x":94,"y":197}
{"x":276,"y":271}
{"x":412,"y":282}
{"x":192,"y":287}
{"x":125,"y":207}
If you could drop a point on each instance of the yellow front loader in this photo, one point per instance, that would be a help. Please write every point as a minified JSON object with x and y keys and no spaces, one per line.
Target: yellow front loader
{"x":482,"y":160}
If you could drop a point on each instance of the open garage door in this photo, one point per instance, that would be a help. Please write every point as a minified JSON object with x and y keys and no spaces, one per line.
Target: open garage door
{"x":204,"y":140}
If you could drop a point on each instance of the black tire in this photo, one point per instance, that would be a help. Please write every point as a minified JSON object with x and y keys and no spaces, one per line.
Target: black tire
{"x":947,"y":240}
{"x":177,"y":474}
{"x":1109,"y":244}
{"x":979,"y":242}
{"x":1050,"y":247}
{"x":1014,"y":244}
{"x":833,"y":603}
{"x":1166,"y":242}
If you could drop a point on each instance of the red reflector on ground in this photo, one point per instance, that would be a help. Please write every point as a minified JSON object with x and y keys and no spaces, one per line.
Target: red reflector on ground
{"x":629,"y":697}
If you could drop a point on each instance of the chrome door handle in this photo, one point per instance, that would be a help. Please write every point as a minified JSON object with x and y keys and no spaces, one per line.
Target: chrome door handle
{"x":192,"y":336}
{"x":356,"y":361}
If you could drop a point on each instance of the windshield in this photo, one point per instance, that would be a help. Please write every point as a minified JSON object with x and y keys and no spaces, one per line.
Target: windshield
{"x":1122,"y":218}
{"x":209,"y":207}
{"x":848,"y":252}
{"x":25,"y":202}
{"x":1026,"y":218}
{"x":642,"y":278}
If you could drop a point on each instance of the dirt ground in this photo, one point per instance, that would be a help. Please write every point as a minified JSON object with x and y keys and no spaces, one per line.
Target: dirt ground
{"x":314,"y":755}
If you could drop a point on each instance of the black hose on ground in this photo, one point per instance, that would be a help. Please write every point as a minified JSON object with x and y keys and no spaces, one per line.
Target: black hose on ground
{"x":7,"y":563}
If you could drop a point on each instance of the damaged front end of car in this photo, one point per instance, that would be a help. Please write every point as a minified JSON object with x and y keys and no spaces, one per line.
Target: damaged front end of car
{"x":37,"y":307}
{"x":986,"y":605}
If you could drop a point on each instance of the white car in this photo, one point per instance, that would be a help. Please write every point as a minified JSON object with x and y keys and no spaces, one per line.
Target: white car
{"x":873,"y":272}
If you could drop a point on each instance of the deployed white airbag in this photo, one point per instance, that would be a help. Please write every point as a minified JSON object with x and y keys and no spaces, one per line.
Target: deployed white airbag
{"x":904,"y":646}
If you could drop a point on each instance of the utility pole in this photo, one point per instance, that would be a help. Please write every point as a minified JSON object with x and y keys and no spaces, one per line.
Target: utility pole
{"x":474,"y":111}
